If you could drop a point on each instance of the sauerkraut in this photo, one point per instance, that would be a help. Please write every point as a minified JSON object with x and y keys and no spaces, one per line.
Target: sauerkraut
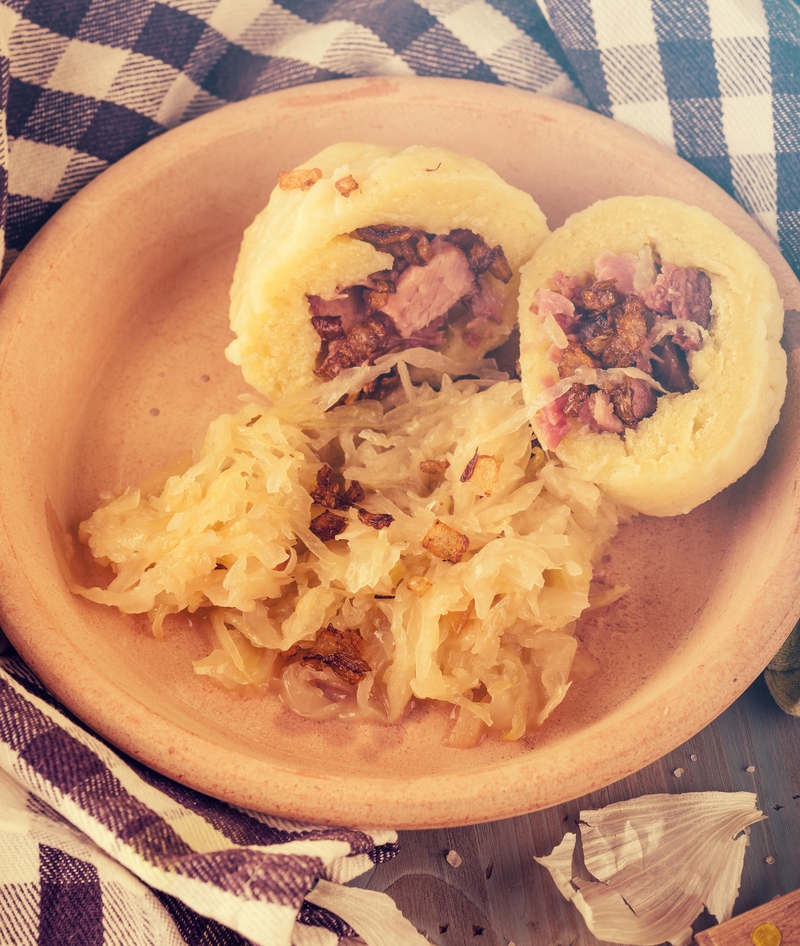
{"x":488,"y":630}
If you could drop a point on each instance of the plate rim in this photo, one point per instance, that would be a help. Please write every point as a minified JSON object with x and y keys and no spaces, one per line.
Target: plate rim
{"x":492,"y":793}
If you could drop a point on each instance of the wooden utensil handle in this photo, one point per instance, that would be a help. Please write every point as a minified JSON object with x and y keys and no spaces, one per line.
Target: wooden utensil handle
{"x":776,"y":923}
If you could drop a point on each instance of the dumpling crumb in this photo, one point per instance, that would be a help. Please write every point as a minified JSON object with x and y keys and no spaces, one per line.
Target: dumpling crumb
{"x":453,"y":858}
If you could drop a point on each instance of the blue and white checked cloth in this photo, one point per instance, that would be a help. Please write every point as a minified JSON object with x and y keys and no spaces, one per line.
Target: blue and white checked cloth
{"x":84,"y":82}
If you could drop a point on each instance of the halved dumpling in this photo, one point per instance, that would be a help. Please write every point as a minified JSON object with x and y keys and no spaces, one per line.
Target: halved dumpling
{"x":368,"y":250}
{"x":650,"y":351}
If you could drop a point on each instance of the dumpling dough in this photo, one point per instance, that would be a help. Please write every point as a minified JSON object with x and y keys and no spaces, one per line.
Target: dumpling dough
{"x":695,"y":444}
{"x":299,"y":246}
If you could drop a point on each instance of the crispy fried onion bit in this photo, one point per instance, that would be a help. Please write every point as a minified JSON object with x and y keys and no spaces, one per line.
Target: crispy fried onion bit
{"x":328,"y":493}
{"x":482,"y":471}
{"x":328,"y":525}
{"x":340,"y":651}
{"x":302,"y":179}
{"x":346,"y":185}
{"x":434,"y":466}
{"x":445,"y":542}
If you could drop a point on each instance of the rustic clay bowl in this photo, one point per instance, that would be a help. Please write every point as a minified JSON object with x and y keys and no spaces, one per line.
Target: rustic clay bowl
{"x":114,"y":323}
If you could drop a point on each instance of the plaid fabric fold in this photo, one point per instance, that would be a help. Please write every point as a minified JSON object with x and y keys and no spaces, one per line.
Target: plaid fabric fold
{"x":83,"y":82}
{"x":97,"y":849}
{"x":783,"y":674}
{"x":91,"y":839}
{"x":86,"y":81}
{"x":716,"y":81}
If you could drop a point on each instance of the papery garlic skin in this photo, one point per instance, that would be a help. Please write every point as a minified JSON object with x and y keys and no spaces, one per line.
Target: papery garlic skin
{"x":657,"y":861}
{"x":372,"y":914}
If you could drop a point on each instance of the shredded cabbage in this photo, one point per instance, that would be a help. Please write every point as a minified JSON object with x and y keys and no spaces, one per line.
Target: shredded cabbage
{"x":491,"y":634}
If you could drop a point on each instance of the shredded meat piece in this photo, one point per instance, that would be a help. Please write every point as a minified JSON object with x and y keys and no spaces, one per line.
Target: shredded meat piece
{"x":487,"y":310}
{"x":576,"y":396}
{"x":328,"y":525}
{"x":570,"y":286}
{"x":340,"y":651}
{"x":328,"y":327}
{"x":429,"y":337}
{"x":377,"y":388}
{"x":618,"y":268}
{"x":299,"y":179}
{"x":485,"y":474}
{"x":487,"y":306}
{"x":597,"y":412}
{"x":427,"y":293}
{"x":688,"y":336}
{"x":378,"y":520}
{"x":554,"y":426}
{"x":694,"y":295}
{"x":346,"y":185}
{"x":549,"y":302}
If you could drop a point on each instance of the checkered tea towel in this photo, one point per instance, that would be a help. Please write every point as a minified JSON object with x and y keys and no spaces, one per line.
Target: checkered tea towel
{"x":97,"y":849}
{"x":93,"y":847}
{"x":83,"y":82}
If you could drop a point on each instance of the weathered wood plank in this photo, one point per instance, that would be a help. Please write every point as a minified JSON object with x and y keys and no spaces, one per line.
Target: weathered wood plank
{"x":517,"y":899}
{"x":776,"y":923}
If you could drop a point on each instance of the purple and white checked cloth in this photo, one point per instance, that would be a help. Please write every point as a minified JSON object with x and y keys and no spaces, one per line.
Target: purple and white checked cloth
{"x":95,"y":848}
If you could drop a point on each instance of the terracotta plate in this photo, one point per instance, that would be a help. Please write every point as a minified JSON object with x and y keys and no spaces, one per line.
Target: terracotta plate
{"x":114,"y":323}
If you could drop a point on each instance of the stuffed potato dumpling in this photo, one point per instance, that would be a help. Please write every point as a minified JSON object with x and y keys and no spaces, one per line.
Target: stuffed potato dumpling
{"x":368,"y":250}
{"x":650,"y":351}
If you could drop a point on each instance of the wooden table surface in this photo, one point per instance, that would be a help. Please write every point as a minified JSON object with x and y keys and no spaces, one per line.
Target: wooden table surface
{"x":499,"y":894}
